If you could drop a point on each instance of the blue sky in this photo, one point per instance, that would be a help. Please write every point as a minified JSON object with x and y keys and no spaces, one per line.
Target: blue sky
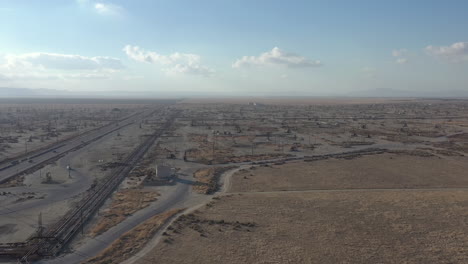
{"x":234,"y":47}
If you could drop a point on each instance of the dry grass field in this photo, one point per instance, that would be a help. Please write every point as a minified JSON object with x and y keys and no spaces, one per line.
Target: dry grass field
{"x":377,"y":171}
{"x":124,"y":203}
{"x":284,"y":214}
{"x":324,"y":227}
{"x":132,"y":241}
{"x":207,"y":179}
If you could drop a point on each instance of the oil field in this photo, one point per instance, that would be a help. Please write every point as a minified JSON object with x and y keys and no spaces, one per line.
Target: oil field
{"x":260,"y":180}
{"x":227,"y":132}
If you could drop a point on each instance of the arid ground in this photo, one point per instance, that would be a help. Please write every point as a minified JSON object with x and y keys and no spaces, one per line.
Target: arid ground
{"x":387,"y":208}
{"x":250,"y":180}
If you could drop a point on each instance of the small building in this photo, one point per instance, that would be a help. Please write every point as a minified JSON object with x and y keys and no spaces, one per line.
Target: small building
{"x":165,"y":175}
{"x":164,"y":172}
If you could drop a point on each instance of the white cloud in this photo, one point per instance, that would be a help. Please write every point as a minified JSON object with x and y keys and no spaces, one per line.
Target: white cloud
{"x":189,"y":69}
{"x":107,"y":9}
{"x":400,"y":56}
{"x":62,"y":61}
{"x":82,"y":2}
{"x":138,"y":54}
{"x":34,"y":77}
{"x":40,"y":76}
{"x":54,"y":66}
{"x":175,"y":63}
{"x":276,"y":57}
{"x":87,"y":76}
{"x":399,"y":53}
{"x":30,"y":77}
{"x":132,"y":77}
{"x":402,"y":60}
{"x":368,"y":69}
{"x":4,"y":77}
{"x":369,"y":72}
{"x":457,"y":52}
{"x":102,"y":8}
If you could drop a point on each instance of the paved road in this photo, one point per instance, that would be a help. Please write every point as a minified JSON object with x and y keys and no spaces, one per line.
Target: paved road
{"x":54,"y":192}
{"x":8,"y":170}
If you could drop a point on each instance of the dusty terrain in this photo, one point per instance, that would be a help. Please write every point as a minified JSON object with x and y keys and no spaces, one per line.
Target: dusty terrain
{"x":123,"y":203}
{"x":337,"y":227}
{"x":290,"y":201}
{"x":319,"y":212}
{"x":26,"y":127}
{"x":207,"y":179}
{"x":121,"y":249}
{"x":89,"y":165}
{"x":25,"y":197}
{"x":296,"y":100}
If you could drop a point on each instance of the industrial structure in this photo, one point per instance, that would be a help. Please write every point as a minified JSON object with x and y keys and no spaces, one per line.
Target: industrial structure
{"x":48,"y":241}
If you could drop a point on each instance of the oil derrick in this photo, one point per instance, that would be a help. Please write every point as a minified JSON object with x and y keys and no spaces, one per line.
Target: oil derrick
{"x":48,"y":178}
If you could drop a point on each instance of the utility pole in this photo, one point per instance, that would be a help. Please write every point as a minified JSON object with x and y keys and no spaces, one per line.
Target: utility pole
{"x":81,"y":220}
{"x":39,"y":225}
{"x":214,"y":144}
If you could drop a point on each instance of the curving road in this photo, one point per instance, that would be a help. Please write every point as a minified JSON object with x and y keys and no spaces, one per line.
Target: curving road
{"x":54,"y":192}
{"x":94,"y":246}
{"x":179,"y":195}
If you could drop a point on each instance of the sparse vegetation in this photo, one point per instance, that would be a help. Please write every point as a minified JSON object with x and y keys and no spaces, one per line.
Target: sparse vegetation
{"x":123,"y":204}
{"x":132,"y":241}
{"x":207,"y":179}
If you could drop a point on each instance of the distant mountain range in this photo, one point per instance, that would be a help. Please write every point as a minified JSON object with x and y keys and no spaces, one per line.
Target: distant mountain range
{"x":402,"y":93}
{"x":8,"y":92}
{"x":28,"y":93}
